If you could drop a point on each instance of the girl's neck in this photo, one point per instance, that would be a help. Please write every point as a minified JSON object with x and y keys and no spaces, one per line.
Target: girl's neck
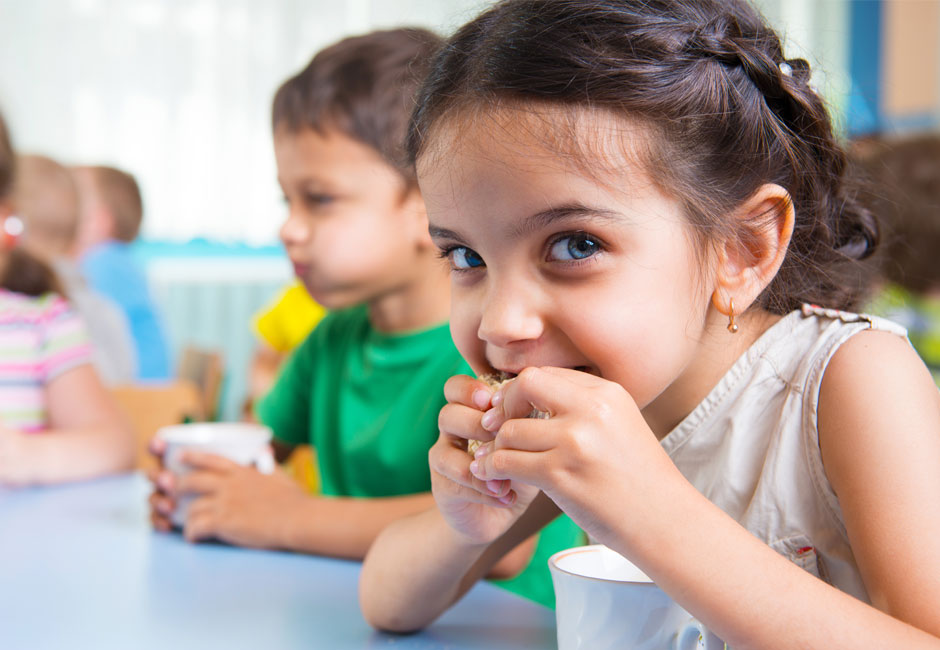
{"x":422,"y":301}
{"x":720,"y":349}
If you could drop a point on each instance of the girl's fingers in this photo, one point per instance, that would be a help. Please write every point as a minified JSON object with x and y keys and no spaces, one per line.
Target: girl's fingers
{"x":463,"y":422}
{"x":502,"y":464}
{"x":463,"y":389}
{"x":525,"y":434}
{"x":454,"y":465}
{"x":542,"y":389}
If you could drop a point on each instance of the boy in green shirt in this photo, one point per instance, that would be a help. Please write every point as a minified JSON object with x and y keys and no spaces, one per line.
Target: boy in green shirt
{"x":366,"y":386}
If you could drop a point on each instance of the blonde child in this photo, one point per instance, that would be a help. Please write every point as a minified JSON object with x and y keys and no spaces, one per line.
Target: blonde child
{"x":638,"y":199}
{"x":111,"y":216}
{"x":57,"y":422}
{"x":365,"y":388}
{"x":47,"y":203}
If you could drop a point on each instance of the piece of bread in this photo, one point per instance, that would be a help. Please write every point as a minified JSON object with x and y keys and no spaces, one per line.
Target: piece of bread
{"x":497,"y":381}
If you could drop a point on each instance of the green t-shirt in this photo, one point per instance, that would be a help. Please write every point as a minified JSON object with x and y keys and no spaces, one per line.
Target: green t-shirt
{"x":368,"y":403}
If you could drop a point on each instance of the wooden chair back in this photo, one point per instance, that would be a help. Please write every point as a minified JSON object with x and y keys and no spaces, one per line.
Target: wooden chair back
{"x":152,"y":406}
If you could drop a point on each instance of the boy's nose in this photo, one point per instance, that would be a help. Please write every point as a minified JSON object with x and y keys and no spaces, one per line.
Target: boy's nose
{"x":509,"y":317}
{"x":295,"y":229}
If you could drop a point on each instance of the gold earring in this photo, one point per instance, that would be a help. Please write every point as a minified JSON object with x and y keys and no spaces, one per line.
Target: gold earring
{"x":732,"y":326}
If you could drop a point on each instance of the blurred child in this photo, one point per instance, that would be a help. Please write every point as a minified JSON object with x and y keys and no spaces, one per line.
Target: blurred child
{"x":365,"y":387}
{"x":905,"y":192}
{"x":641,"y":202}
{"x":111,"y":214}
{"x":57,"y":422}
{"x":47,"y":203}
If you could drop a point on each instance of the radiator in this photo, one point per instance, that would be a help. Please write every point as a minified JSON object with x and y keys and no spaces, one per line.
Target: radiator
{"x":209,"y":303}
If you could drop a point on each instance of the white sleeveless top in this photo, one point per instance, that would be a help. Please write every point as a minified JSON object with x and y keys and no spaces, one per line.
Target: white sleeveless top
{"x":752,"y":446}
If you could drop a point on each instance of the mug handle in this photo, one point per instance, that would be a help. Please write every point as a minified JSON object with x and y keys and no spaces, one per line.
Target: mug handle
{"x":264,"y":462}
{"x":695,"y":636}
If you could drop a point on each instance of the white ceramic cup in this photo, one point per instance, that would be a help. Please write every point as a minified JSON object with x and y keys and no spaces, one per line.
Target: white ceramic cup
{"x":242,"y":442}
{"x":603,"y":601}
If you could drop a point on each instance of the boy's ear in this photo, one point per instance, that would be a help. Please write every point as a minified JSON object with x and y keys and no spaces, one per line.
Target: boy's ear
{"x":749,"y":261}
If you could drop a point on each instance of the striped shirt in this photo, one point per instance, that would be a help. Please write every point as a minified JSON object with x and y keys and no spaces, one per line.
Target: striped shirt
{"x":40,"y":338}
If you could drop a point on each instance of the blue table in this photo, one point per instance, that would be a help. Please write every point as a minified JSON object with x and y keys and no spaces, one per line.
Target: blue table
{"x":81,"y":568}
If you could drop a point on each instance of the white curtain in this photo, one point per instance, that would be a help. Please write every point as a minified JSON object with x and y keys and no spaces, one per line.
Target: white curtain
{"x":178,"y":92}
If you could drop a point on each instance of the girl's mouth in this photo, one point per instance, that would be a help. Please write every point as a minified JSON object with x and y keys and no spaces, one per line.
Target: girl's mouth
{"x":507,"y":374}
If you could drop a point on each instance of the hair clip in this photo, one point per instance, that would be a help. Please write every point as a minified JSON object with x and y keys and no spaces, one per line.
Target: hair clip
{"x":11,"y":231}
{"x":785,"y":69}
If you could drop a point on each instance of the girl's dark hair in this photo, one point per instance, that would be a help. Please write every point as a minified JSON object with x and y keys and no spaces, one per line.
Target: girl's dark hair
{"x":20,"y":271}
{"x":364,"y":86}
{"x":728,"y":113}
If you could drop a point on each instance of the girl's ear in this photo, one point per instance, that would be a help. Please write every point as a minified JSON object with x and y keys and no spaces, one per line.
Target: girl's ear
{"x":748,"y":262}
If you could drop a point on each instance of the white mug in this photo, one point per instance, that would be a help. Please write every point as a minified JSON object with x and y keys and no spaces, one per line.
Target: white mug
{"x":603,"y":601}
{"x":242,"y":442}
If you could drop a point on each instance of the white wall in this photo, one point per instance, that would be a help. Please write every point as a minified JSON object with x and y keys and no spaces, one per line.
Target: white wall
{"x":178,"y":92}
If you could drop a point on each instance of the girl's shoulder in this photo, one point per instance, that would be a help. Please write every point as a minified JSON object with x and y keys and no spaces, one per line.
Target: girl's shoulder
{"x":19,"y":308}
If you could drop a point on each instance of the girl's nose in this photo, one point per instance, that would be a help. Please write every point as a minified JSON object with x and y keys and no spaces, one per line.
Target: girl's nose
{"x":509,"y":317}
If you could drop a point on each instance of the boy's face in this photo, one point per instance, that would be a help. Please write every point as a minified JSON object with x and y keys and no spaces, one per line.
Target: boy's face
{"x":352,"y":231}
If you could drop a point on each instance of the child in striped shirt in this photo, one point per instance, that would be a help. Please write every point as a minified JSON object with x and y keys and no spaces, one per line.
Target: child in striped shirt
{"x":57,"y":422}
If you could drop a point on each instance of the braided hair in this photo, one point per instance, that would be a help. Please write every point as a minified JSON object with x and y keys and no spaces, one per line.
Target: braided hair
{"x":728,"y":112}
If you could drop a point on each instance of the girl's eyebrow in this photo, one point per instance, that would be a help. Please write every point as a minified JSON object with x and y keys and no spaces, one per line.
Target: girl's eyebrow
{"x":539,"y":220}
{"x":546,"y":218}
{"x":444,"y":233}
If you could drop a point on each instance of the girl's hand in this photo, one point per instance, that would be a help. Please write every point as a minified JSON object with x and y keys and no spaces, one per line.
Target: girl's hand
{"x":590,"y":457}
{"x":236,"y":504}
{"x":478,"y":510}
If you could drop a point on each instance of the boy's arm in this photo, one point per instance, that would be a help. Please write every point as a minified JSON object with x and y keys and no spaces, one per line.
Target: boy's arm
{"x":87,"y":437}
{"x":241,"y":506}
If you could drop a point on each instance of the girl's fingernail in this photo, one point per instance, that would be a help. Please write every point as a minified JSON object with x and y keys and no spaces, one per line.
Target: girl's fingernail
{"x":481,"y":399}
{"x":165,"y":482}
{"x":481,"y":451}
{"x":475,"y":468}
{"x":508,"y":499}
{"x":488,"y":419}
{"x":496,"y":398}
{"x":493,"y":486}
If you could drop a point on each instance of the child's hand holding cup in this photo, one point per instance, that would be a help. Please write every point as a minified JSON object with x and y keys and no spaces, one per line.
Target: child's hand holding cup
{"x":241,"y":442}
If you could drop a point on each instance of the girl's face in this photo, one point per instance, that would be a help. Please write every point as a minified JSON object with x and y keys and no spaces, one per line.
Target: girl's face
{"x":554,"y":266}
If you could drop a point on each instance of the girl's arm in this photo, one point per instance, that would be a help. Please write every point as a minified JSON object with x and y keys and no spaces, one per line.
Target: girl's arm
{"x":432,"y":566}
{"x":87,"y":437}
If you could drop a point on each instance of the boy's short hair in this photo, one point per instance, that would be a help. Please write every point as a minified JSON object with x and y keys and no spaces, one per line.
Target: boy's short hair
{"x":120,"y":194}
{"x":46,"y":200}
{"x":905,"y":193}
{"x":363,"y":86}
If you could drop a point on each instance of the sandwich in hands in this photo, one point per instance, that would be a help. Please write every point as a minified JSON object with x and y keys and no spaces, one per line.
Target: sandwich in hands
{"x":497,"y":381}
